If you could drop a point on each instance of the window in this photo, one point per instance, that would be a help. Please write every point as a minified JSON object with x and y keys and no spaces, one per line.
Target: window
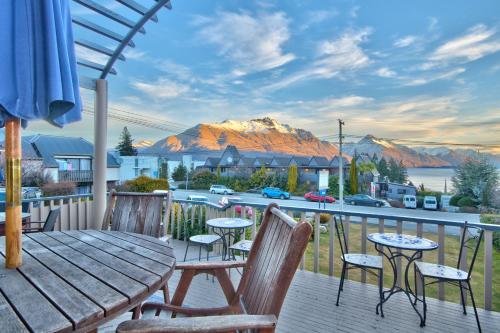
{"x":401,"y":191}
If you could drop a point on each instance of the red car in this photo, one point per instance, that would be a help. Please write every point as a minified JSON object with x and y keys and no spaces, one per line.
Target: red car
{"x":314,"y":196}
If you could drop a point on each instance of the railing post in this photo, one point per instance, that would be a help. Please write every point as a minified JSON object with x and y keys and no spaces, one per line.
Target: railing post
{"x":303,"y":260}
{"x":193,"y":209}
{"x":463,"y":264}
{"x":331,"y":239}
{"x":88,"y":203}
{"x":317,"y":238}
{"x":420,"y":229}
{"x":347,"y":226}
{"x":254,"y":225}
{"x":488,"y":268}
{"x":399,"y":230}
{"x":185,"y":222}
{"x":179,"y":215}
{"x":441,"y":238}
{"x":364,"y":226}
{"x":381,"y":225}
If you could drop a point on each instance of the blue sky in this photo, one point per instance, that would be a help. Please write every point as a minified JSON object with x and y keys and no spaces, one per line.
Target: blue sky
{"x":421,"y":70}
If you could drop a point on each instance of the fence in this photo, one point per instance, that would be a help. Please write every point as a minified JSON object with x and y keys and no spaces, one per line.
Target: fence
{"x":76,"y":212}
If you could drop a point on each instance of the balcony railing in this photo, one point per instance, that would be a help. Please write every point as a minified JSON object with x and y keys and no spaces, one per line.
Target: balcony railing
{"x":323,"y":255}
{"x":75,"y":176}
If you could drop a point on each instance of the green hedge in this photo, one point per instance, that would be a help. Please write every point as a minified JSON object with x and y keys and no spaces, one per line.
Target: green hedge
{"x":466,"y":202}
{"x":145,"y":184}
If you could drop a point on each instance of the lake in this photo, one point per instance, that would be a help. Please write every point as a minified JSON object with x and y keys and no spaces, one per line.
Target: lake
{"x":433,"y":178}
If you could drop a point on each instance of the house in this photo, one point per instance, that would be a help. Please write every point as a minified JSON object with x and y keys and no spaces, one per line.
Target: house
{"x":141,"y":165}
{"x":65,"y":159}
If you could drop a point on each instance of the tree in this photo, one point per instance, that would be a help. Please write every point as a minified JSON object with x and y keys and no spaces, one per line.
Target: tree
{"x":375,"y":159}
{"x":179,"y":172}
{"x":402,"y":173}
{"x":393,"y":170}
{"x":477,"y":178}
{"x":258,"y":178}
{"x":125,"y":146}
{"x":364,"y":169}
{"x":218,"y":174}
{"x":292,"y":178}
{"x":382,"y":168}
{"x":353,"y":177}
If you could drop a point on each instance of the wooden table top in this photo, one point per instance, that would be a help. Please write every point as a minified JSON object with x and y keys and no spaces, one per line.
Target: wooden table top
{"x":23,"y":216}
{"x":78,"y":280}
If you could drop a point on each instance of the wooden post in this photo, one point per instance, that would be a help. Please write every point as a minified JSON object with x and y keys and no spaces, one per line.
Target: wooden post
{"x":13,"y":224}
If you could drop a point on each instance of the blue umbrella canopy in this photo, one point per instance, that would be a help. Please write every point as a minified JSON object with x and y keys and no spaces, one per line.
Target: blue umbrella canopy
{"x":38,"y":64}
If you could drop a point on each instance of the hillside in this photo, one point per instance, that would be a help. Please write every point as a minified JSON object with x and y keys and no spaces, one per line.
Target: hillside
{"x":264,"y":135}
{"x":371,"y":145}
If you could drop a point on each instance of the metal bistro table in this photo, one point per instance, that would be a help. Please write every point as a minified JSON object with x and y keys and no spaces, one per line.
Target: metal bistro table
{"x":24,"y":218}
{"x":395,"y":243}
{"x":78,"y":280}
{"x":226,"y":228}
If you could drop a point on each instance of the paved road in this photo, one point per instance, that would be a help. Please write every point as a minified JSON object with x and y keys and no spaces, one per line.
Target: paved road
{"x":301,"y":202}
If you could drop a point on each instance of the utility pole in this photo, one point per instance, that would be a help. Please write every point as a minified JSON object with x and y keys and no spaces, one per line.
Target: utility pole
{"x":341,"y":167}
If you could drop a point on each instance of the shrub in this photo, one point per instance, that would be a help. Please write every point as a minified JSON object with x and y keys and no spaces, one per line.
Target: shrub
{"x":469,"y":209}
{"x":454,"y":199}
{"x":145,"y":184}
{"x":466,"y":202}
{"x":324,"y":218}
{"x":203,"y":180}
{"x":56,"y":189}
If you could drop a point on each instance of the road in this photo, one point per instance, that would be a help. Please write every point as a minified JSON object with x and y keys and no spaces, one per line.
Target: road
{"x":302,"y":203}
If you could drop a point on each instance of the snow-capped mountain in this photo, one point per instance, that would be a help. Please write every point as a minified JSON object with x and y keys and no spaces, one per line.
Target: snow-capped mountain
{"x":265,"y":135}
{"x":371,"y":145}
{"x":456,"y":156}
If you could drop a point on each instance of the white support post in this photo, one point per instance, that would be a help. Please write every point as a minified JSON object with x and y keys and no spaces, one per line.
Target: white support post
{"x":100,"y":153}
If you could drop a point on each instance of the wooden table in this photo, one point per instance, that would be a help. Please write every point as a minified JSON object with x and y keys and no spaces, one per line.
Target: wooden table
{"x":78,"y":280}
{"x":24,"y":218}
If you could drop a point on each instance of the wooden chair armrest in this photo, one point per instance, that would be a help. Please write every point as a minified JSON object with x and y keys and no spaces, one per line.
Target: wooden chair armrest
{"x":198,"y":312}
{"x":217,"y":324}
{"x":31,"y":230}
{"x":209,"y":265}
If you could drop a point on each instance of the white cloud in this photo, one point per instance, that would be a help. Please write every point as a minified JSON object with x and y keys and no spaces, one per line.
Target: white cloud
{"x":318,"y":16}
{"x":334,"y":57}
{"x":435,"y":77}
{"x":253,"y":42}
{"x":385,"y":72}
{"x":479,"y":41}
{"x":433,"y":23}
{"x":405,"y":41}
{"x":85,"y":53}
{"x":134,"y":54}
{"x":163,"y":88}
{"x":179,"y":71}
{"x":354,"y":12}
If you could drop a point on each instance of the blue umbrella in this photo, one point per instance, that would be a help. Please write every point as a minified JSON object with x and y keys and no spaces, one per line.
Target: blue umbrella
{"x":38,"y":80}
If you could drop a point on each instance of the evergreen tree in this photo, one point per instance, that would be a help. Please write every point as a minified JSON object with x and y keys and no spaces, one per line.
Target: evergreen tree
{"x":382,"y":168}
{"x":218,"y":174}
{"x":179,"y":173}
{"x":393,"y":170}
{"x":402,"y":173}
{"x":125,"y":146}
{"x":375,"y":159}
{"x":292,"y":178}
{"x":163,"y":172}
{"x":353,"y":177}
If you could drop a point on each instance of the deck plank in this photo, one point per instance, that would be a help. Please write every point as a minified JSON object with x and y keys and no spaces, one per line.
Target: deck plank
{"x":310,"y":306}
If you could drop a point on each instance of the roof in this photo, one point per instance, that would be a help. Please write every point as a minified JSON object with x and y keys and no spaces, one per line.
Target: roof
{"x":318,"y":161}
{"x":212,"y":161}
{"x":281,"y":161}
{"x":47,"y":147}
{"x":246,"y":161}
{"x":334,"y":163}
{"x":260,"y":161}
{"x":300,"y":160}
{"x":230,"y":156}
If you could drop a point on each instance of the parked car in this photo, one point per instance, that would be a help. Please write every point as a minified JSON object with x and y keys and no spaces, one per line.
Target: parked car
{"x":314,"y":196}
{"x":275,"y":192}
{"x":220,"y":189}
{"x":410,"y":201}
{"x":193,"y":197}
{"x":363,"y":200}
{"x":224,"y":201}
{"x":430,"y":202}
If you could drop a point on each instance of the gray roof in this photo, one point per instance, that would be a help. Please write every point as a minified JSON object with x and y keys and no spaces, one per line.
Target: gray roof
{"x":318,"y":161}
{"x":334,"y":163}
{"x":260,"y":161}
{"x":281,"y":161}
{"x":212,"y":161}
{"x":246,"y":161}
{"x":48,"y":146}
{"x":300,"y":160}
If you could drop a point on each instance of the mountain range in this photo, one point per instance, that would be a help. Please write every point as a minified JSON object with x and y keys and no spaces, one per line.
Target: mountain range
{"x":266,"y":136}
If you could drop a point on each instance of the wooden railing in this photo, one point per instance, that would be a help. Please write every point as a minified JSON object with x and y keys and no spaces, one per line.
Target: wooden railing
{"x":76,"y":212}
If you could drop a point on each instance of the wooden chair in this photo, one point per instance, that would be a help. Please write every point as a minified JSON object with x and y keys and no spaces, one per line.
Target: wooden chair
{"x":369,"y":263}
{"x":256,"y":303}
{"x":435,"y":273}
{"x":141,"y":213}
{"x":46,"y":226}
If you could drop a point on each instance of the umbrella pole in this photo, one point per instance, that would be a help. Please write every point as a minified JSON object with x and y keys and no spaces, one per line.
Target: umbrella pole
{"x":13,"y":224}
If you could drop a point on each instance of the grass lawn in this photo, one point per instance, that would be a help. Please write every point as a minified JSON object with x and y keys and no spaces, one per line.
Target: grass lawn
{"x":452,"y":245}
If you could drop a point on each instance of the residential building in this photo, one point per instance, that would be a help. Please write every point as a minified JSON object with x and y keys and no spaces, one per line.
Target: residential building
{"x":395,"y":191}
{"x":65,"y":159}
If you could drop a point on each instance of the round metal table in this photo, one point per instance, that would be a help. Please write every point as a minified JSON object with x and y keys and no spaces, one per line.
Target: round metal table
{"x":226,"y":228}
{"x":390,"y":245}
{"x":79,"y":280}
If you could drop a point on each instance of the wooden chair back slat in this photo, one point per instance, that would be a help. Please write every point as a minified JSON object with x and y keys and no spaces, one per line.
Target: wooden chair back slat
{"x":272,"y":261}
{"x":140,"y":213}
{"x":51,"y":220}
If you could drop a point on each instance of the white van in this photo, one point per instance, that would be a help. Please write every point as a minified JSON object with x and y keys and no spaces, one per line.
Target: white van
{"x":430,"y":202}
{"x":410,"y":201}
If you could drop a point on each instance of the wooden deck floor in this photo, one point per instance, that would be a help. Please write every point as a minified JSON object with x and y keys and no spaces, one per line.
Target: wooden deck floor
{"x":310,"y":307}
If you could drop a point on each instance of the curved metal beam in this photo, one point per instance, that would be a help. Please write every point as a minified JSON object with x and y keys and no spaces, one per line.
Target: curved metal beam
{"x":137,"y":28}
